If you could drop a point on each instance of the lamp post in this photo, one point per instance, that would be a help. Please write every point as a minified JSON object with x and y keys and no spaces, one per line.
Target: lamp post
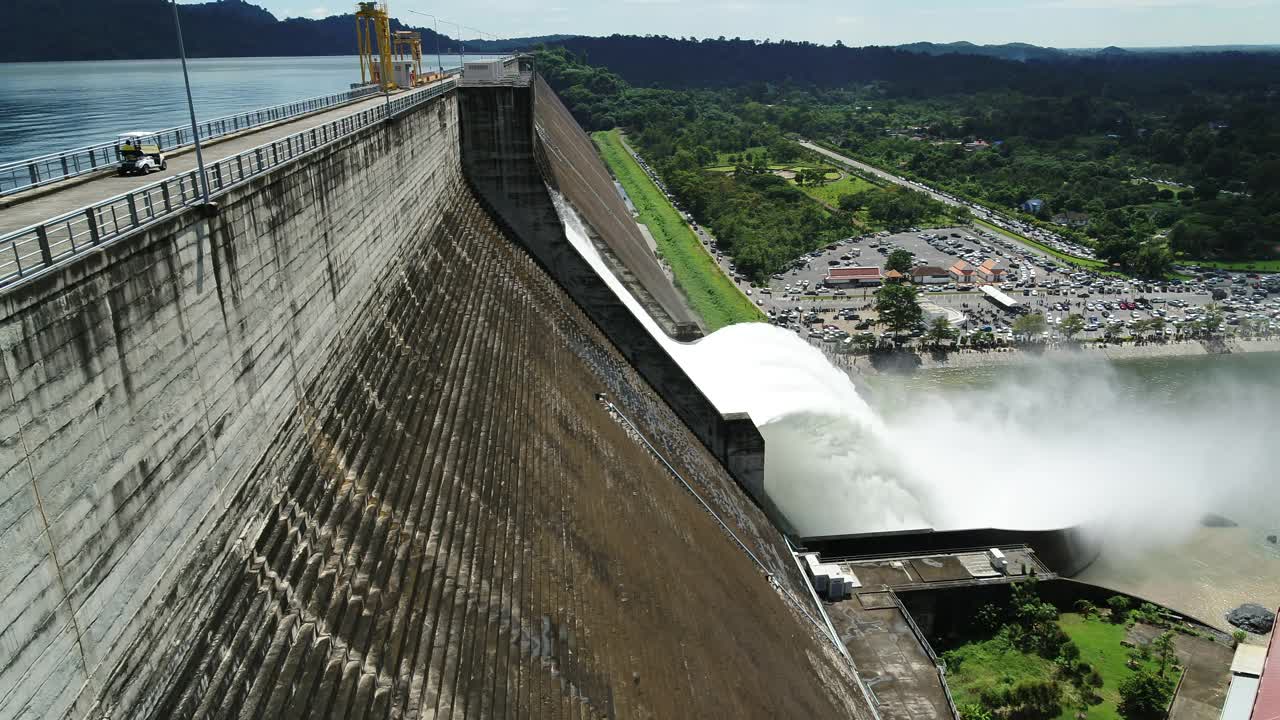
{"x":462,"y":47}
{"x":191,"y":108}
{"x":436,"y":20}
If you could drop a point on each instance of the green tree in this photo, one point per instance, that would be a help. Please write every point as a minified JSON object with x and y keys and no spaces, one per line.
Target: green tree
{"x":1035,"y":622}
{"x":940,"y":331}
{"x":1157,"y":326}
{"x":1144,"y":696}
{"x":1152,"y":260}
{"x":1030,"y":325}
{"x":1213,"y":319}
{"x":854,"y":202}
{"x":1163,"y":647}
{"x":900,"y":260}
{"x":898,"y":307}
{"x":1072,"y":325}
{"x":1119,"y":605}
{"x":974,"y":711}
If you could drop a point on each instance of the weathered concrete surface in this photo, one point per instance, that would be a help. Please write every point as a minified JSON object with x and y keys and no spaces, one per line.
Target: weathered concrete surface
{"x":572,"y":166}
{"x":500,"y":155}
{"x":1203,"y":689}
{"x":336,"y":452}
{"x":895,"y":666}
{"x":451,"y":525}
{"x":143,"y":382}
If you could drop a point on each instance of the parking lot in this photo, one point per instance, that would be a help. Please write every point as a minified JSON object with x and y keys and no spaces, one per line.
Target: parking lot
{"x":798,"y":298}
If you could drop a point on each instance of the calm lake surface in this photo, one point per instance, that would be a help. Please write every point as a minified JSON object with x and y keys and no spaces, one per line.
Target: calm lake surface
{"x":48,"y":107}
{"x":1203,"y":571}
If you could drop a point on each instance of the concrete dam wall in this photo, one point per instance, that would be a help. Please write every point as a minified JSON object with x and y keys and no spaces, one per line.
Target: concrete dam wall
{"x":336,"y":451}
{"x":143,"y":383}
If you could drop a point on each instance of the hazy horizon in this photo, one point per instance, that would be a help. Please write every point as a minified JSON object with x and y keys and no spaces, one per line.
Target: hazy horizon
{"x":1067,"y":24}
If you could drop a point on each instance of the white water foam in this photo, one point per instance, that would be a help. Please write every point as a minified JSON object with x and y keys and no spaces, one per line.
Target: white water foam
{"x":1057,"y":446}
{"x":821,"y":467}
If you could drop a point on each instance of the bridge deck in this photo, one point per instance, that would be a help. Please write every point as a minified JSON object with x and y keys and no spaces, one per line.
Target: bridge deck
{"x":43,"y":203}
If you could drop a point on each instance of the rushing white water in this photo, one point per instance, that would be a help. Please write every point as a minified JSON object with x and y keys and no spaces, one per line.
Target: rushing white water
{"x":823,"y":468}
{"x":1058,"y":446}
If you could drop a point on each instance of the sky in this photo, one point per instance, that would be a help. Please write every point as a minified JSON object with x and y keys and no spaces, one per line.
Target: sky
{"x":1054,"y":23}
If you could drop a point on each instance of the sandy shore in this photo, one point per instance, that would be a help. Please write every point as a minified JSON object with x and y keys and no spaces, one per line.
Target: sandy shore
{"x":908,"y":362}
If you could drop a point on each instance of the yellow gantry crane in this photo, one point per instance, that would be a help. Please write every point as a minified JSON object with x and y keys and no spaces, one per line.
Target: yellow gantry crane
{"x":407,"y":46}
{"x":373,"y":29}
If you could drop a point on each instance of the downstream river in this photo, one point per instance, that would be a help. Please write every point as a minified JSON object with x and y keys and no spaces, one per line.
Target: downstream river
{"x":1145,"y":448}
{"x":53,"y":106}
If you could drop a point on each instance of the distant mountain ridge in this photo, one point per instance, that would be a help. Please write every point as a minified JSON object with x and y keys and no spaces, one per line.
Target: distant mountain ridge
{"x":143,"y":29}
{"x":1020,"y":52}
{"x":1023,"y":52}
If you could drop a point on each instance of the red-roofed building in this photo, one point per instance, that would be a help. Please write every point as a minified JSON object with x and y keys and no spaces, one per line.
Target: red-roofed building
{"x":1266,"y":706}
{"x":962,"y":272}
{"x":855,"y":276}
{"x":991,"y":271}
{"x":929,"y":275}
{"x":894,"y":276}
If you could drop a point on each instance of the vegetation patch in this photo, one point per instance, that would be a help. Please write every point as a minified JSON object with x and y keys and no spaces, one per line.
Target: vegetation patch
{"x":831,"y":192}
{"x":1269,"y":266}
{"x":1066,"y":158}
{"x":712,"y":295}
{"x":1025,"y":661}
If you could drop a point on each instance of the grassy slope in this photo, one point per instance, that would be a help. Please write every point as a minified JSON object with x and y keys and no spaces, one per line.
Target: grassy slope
{"x":712,"y":295}
{"x":1258,"y":265}
{"x":991,"y":662}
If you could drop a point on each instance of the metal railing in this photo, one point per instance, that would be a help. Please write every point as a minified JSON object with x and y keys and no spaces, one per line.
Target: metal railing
{"x":33,"y":249}
{"x":34,"y":172}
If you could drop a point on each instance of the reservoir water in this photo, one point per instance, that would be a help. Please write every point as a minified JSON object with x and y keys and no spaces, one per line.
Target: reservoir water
{"x":52,"y":106}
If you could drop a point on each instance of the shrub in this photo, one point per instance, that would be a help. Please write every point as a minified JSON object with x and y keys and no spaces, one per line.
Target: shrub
{"x":1119,"y":605}
{"x":973,"y":711}
{"x":1144,"y":696}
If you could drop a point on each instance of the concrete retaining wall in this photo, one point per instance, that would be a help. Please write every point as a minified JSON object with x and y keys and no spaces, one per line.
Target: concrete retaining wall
{"x":500,"y":151}
{"x":142,"y":383}
{"x":572,"y":166}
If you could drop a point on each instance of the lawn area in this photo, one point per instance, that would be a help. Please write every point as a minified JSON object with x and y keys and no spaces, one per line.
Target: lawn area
{"x":831,"y":192}
{"x":712,"y":296}
{"x":722,"y":159}
{"x":994,"y":662}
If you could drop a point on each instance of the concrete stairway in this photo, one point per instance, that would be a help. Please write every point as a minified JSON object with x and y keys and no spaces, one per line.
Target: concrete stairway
{"x":451,"y":526}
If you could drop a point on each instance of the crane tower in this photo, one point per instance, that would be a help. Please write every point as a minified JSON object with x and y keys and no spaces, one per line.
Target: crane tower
{"x":373,"y":30}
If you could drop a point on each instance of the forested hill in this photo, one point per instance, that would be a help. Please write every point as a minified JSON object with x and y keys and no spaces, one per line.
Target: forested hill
{"x":37,"y":30}
{"x":678,"y":63}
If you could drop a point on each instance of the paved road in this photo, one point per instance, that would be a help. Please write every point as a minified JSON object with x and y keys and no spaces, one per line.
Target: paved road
{"x":1001,"y":220}
{"x":75,"y":195}
{"x":877,"y":172}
